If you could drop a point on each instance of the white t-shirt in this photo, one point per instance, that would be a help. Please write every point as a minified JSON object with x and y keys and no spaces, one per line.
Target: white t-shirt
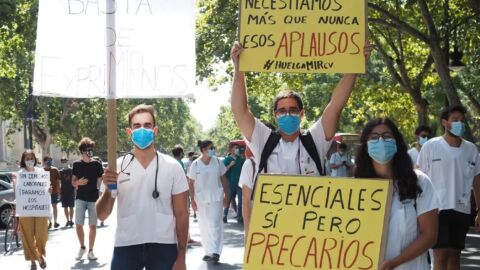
{"x":289,"y":157}
{"x":403,"y":226}
{"x":451,"y":170}
{"x":141,"y":218}
{"x":208,"y":187}
{"x":338,"y":159}
{"x":248,"y":174}
{"x":413,"y":153}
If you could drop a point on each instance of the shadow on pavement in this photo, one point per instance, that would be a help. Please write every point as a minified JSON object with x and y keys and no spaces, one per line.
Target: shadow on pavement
{"x":219,"y":266}
{"x":87,"y":264}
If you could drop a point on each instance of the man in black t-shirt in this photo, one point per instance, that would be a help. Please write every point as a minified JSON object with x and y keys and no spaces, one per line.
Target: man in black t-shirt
{"x":86,"y":174}
{"x":67,"y":192}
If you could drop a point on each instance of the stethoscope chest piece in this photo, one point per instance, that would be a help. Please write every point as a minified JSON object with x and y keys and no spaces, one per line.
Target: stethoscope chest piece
{"x":155,"y":194}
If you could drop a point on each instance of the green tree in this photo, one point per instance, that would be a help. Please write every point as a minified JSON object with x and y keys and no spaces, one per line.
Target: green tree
{"x":411,"y":36}
{"x":65,"y":121}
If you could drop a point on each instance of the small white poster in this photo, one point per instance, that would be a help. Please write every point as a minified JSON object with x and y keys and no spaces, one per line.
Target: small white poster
{"x":140,"y":48}
{"x":32,"y":196}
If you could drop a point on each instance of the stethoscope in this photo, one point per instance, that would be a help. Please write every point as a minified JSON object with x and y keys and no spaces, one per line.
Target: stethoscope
{"x":155,"y":193}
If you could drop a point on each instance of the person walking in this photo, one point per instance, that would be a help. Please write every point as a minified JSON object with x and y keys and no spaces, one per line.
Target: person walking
{"x":288,"y":151}
{"x":422,"y":134}
{"x":233,"y":163}
{"x":55,"y":184}
{"x":340,"y":162}
{"x":67,"y":192}
{"x":86,"y":173}
{"x":34,"y":230}
{"x":152,"y":214}
{"x":208,"y":195}
{"x":413,"y":224}
{"x":453,"y":164}
{"x":178,"y":154}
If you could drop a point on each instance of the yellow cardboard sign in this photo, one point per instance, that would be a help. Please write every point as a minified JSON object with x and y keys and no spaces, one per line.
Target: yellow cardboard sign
{"x":317,"y":223}
{"x":304,"y":36}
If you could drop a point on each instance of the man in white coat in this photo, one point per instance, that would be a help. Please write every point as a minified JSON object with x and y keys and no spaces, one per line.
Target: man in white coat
{"x":152,"y":215}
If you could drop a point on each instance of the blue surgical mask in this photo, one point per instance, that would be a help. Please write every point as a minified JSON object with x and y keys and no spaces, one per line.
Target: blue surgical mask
{"x":142,"y":137}
{"x":211,"y":153}
{"x":458,"y":128}
{"x":382,"y":151}
{"x":422,"y":140}
{"x":289,"y":124}
{"x":49,"y":163}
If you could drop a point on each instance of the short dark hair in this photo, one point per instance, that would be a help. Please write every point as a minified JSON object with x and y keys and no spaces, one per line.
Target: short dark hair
{"x":204,"y":144}
{"x":84,"y":143}
{"x":47,"y":157}
{"x":177,"y":150}
{"x":451,"y":109}
{"x":142,"y":108}
{"x":423,"y":128}
{"x":342,"y":146}
{"x":288,"y":94}
{"x":191,"y":154}
{"x":24,"y":154}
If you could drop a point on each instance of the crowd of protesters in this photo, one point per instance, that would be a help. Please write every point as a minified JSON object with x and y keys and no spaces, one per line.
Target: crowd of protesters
{"x":154,"y":191}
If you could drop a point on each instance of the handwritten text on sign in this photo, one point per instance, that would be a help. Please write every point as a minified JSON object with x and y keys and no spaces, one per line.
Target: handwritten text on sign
{"x":316,"y":223}
{"x":154,"y":42}
{"x":31,"y":194}
{"x":306,"y":36}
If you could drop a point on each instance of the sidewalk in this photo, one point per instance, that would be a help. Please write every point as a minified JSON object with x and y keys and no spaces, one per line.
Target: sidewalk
{"x":62,"y":248}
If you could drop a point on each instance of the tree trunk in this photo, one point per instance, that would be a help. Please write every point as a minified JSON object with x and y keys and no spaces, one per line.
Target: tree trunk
{"x":422,"y":113}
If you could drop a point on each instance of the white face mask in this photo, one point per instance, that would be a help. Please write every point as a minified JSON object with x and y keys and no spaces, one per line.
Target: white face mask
{"x":29,"y":163}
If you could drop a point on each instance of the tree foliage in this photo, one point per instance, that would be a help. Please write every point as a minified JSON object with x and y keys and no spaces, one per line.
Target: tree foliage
{"x":65,"y":121}
{"x":411,"y":37}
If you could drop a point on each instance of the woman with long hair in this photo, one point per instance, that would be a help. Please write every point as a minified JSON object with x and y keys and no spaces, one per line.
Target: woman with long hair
{"x":208,"y":196}
{"x":34,"y":230}
{"x":413,"y":223}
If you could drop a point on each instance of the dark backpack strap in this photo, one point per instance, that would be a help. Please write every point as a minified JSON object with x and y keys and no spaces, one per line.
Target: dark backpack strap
{"x":271,"y":143}
{"x":254,"y":168}
{"x":307,"y":142}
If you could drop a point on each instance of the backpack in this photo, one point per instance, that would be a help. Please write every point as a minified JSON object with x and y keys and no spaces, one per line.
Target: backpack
{"x":307,"y":141}
{"x":305,"y":138}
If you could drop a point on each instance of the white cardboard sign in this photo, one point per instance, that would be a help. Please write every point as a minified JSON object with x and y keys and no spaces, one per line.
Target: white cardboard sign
{"x":151,"y":45}
{"x":31,"y":194}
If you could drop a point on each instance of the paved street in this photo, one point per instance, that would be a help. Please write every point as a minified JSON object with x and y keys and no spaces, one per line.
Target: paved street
{"x":62,"y":247}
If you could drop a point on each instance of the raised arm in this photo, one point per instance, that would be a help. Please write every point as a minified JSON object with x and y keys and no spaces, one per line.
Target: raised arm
{"x":339,"y":99}
{"x":241,"y":112}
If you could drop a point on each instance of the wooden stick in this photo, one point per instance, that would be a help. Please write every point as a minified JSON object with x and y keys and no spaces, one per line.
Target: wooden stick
{"x":112,"y":133}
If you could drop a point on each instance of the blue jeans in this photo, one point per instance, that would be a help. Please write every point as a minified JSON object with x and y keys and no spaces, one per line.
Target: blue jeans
{"x":152,"y":256}
{"x":234,"y":190}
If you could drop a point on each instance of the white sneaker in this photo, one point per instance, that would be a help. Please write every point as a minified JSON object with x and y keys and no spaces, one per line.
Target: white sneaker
{"x":81,"y":252}
{"x":91,"y":256}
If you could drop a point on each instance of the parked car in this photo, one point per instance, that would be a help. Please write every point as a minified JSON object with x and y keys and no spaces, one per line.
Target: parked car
{"x":6,"y":176}
{"x":6,"y":194}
